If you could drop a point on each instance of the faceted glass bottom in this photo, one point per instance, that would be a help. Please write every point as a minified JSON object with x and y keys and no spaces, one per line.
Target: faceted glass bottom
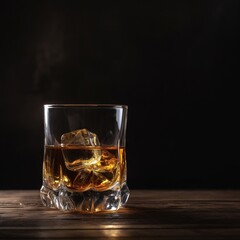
{"x":87,"y":201}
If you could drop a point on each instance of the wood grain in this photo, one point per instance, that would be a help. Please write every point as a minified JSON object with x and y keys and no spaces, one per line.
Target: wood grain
{"x":149,"y":214}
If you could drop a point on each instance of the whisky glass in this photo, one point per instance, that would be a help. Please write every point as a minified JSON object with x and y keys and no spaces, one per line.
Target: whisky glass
{"x":84,"y":160}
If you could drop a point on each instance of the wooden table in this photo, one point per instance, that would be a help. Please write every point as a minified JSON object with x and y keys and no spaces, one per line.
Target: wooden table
{"x":149,"y":214}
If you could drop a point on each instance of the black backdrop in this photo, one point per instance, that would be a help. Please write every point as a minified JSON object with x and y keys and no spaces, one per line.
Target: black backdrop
{"x":172,"y":62}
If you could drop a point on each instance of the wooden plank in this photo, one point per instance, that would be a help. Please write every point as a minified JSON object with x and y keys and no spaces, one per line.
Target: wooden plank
{"x":166,"y":234}
{"x":150,"y":214}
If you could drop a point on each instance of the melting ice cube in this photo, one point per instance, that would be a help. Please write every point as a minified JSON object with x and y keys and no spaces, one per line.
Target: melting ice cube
{"x":81,"y":149}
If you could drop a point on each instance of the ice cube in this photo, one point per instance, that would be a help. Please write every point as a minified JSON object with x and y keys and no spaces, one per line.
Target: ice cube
{"x":81,"y":137}
{"x":81,"y":149}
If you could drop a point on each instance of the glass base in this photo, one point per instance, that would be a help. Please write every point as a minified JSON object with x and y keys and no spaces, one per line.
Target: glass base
{"x":88,"y":201}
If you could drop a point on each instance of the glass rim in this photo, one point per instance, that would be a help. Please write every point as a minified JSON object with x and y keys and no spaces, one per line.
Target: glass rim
{"x":87,"y":105}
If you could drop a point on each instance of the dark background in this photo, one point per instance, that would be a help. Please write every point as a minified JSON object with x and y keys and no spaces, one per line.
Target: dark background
{"x":174,"y":63}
